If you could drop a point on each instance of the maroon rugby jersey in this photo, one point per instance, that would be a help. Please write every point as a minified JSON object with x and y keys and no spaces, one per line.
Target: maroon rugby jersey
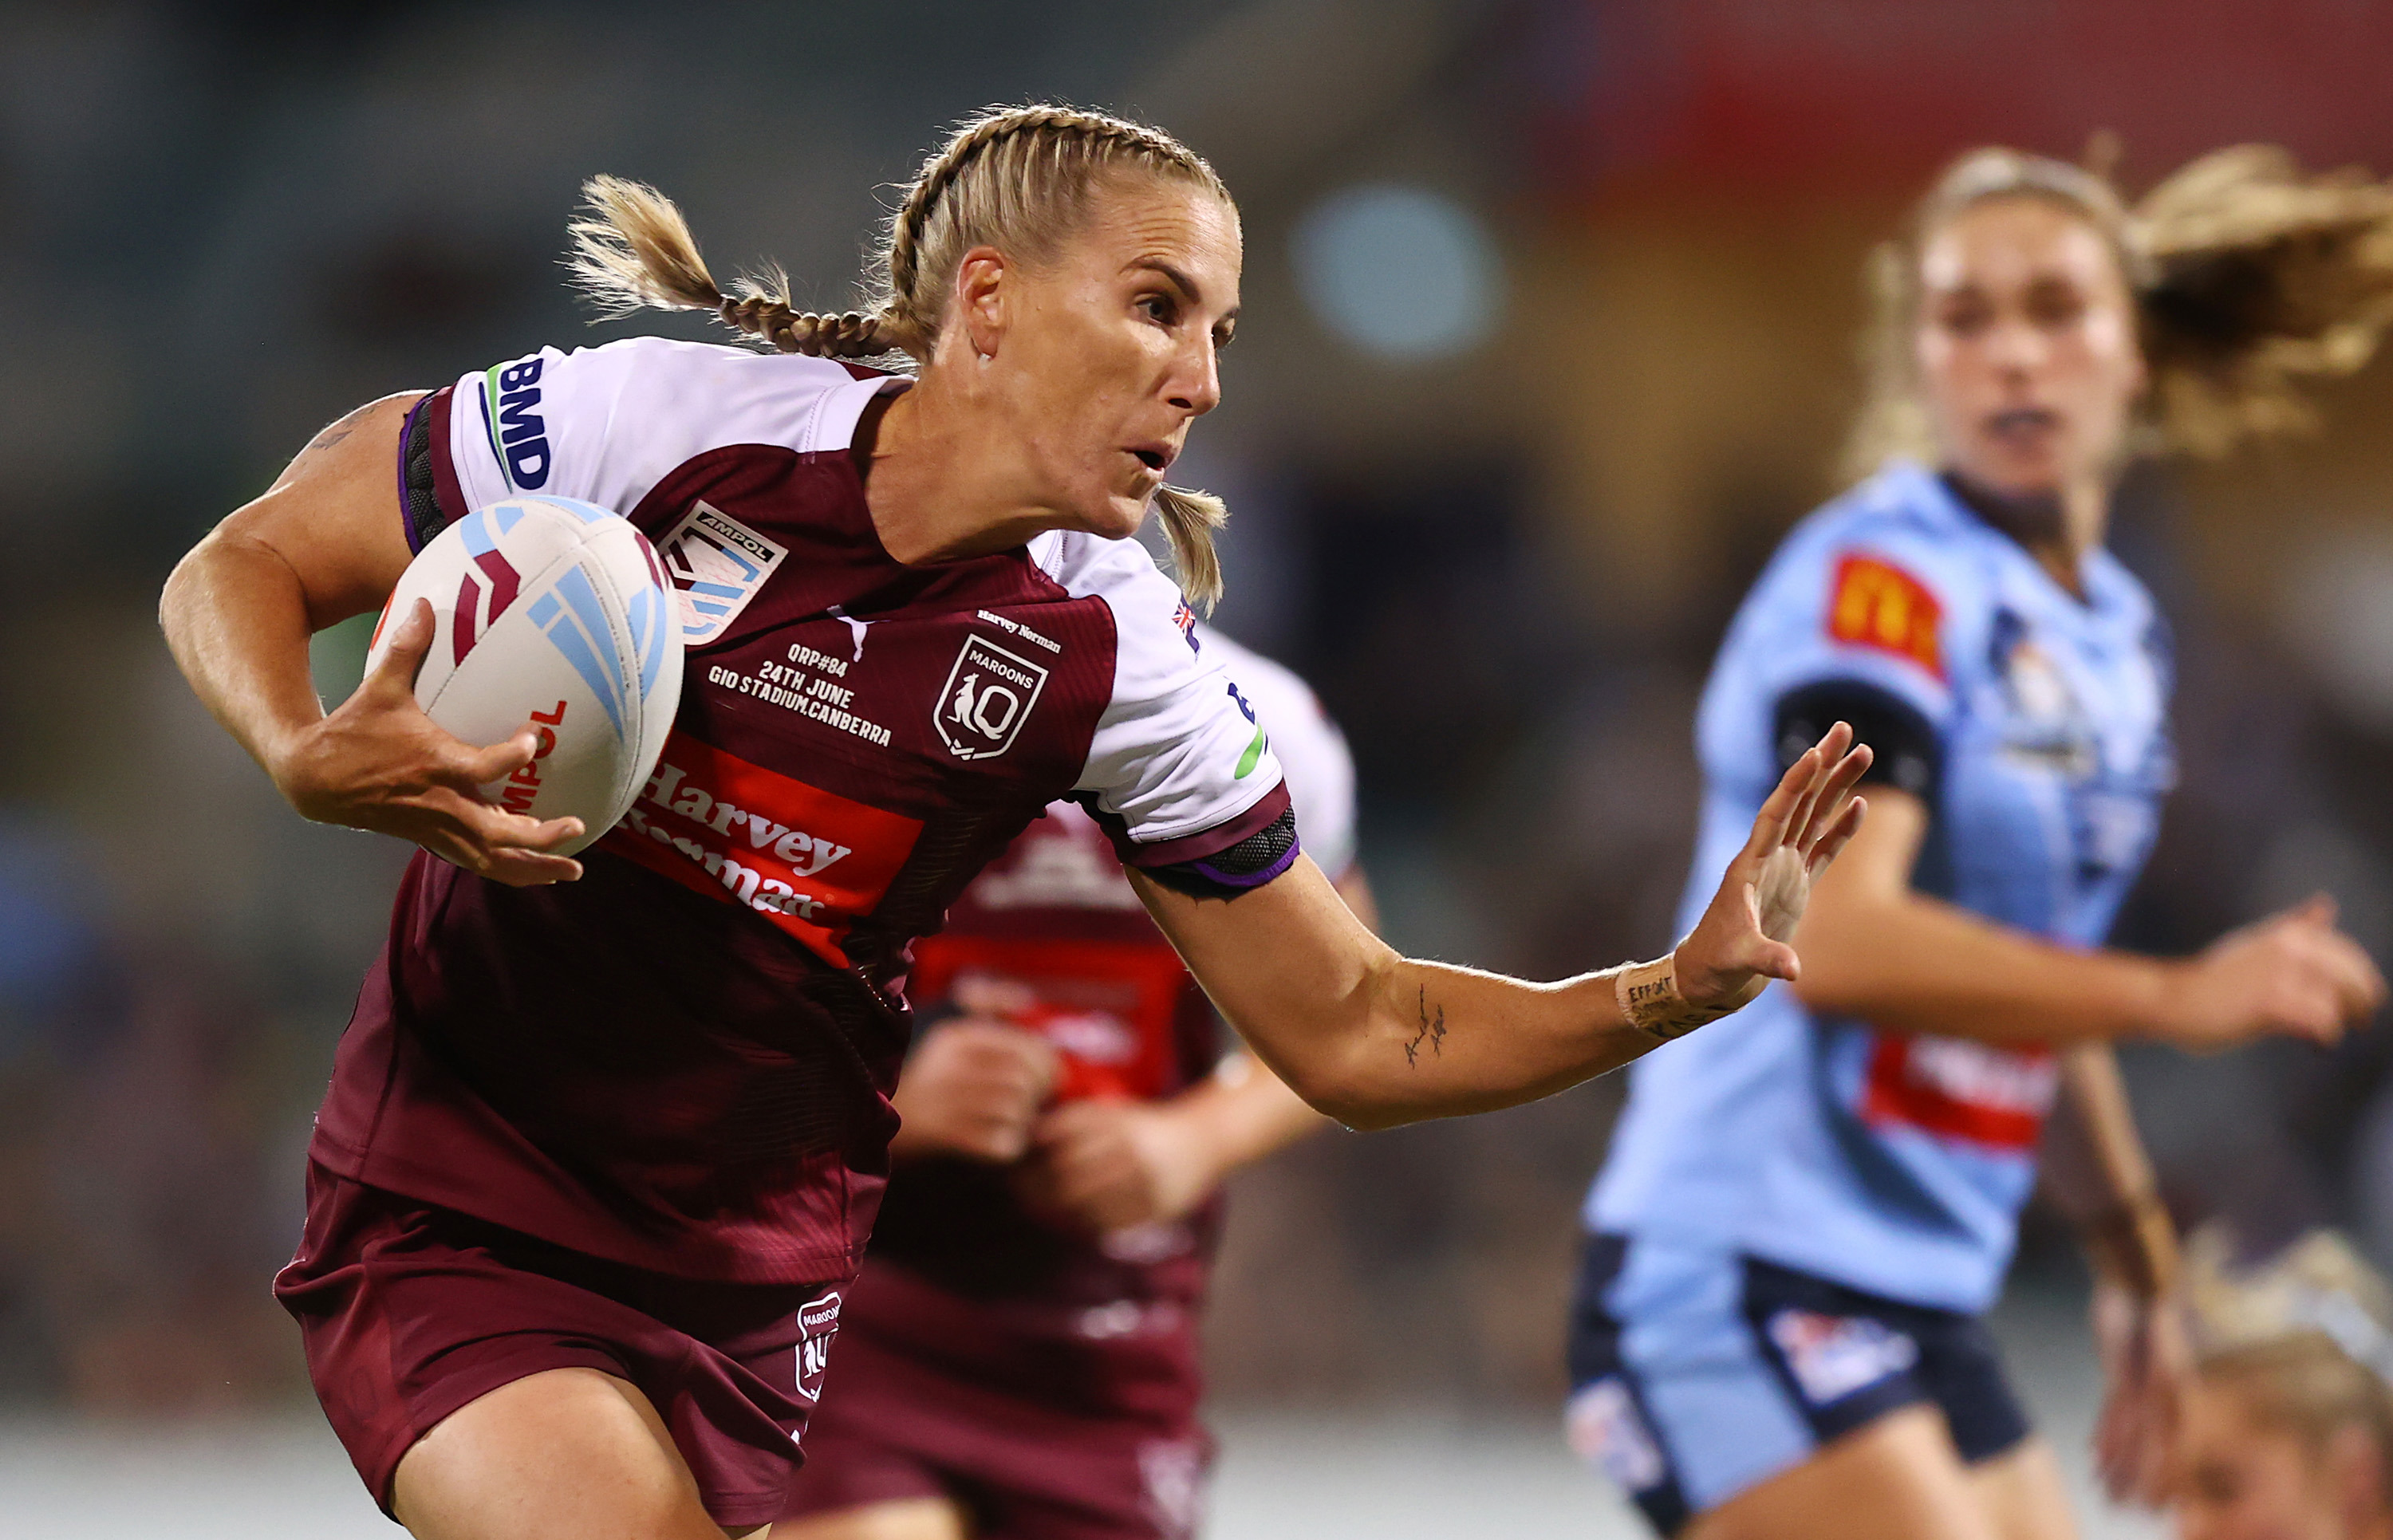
{"x":682,"y":1060}
{"x":962,"y":1276}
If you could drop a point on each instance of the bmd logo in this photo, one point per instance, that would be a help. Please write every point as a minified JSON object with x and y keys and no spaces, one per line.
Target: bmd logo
{"x":518,"y":433}
{"x":988,"y":693}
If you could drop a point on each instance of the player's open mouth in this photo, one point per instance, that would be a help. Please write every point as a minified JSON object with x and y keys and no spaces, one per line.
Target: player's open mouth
{"x":2023,"y":427}
{"x":1154,"y":457}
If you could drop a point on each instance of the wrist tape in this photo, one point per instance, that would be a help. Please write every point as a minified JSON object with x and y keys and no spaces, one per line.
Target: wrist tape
{"x":1648,"y":997}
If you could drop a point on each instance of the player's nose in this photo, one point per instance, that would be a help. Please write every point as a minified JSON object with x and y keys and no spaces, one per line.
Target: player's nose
{"x":1195,"y":384}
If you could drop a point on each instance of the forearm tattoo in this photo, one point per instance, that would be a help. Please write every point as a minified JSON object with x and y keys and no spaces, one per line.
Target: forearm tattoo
{"x":1432,"y":1031}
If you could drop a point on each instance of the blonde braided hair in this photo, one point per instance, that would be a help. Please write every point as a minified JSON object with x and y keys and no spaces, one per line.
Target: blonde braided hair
{"x":2251,"y":279}
{"x":1019,"y":178}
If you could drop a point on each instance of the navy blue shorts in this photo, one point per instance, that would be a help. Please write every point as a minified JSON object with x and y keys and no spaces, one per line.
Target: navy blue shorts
{"x":1697,"y":1374}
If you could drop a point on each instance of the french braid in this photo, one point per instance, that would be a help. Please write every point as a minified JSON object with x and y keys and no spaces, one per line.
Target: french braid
{"x":1020,"y":178}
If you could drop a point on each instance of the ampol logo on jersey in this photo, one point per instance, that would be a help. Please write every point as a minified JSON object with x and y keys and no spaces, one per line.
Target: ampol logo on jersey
{"x":716,"y":565}
{"x":987,"y":695}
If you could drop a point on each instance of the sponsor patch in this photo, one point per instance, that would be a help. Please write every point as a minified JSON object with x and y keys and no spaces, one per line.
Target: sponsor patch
{"x":511,"y":416}
{"x":988,"y":694}
{"x":818,"y":1324}
{"x":1875,"y":604}
{"x":1608,"y":1431}
{"x":809,"y":861}
{"x":1978,"y":1094}
{"x":716,"y":566}
{"x":1832,"y":1356}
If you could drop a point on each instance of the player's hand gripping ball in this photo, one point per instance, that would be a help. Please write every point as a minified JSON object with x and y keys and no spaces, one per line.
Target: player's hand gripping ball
{"x":550,"y":618}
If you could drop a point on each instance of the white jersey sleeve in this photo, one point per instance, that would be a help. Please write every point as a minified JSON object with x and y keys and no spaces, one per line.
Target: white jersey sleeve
{"x":1177,"y":755}
{"x":1311,"y":749}
{"x":606,"y":424}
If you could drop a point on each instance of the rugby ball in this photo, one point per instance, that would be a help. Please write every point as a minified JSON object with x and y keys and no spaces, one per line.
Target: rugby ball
{"x":554,"y":612}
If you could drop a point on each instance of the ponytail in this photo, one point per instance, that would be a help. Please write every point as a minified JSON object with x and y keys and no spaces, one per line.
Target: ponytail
{"x":2263,"y":280}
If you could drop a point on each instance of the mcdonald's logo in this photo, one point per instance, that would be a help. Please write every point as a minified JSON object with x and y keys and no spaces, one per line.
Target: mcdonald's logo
{"x":1875,"y":604}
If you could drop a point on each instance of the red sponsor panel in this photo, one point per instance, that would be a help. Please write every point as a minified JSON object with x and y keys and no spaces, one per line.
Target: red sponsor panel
{"x":1873,"y":603}
{"x":1108,"y":1007}
{"x":1955,"y":1088}
{"x":810,"y":861}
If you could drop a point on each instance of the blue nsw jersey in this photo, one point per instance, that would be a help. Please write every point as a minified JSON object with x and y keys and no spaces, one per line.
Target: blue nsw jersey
{"x":1890,"y":1162}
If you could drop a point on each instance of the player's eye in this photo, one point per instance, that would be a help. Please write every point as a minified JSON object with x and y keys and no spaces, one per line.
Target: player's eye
{"x":1965,"y":316}
{"x":1158,"y":307}
{"x":2055,"y":305}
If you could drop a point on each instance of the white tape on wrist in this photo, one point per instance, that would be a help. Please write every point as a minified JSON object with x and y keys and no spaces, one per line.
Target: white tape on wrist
{"x":1648,"y":997}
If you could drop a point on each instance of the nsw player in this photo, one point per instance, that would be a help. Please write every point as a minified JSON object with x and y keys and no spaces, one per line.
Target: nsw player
{"x":605,"y":1137}
{"x":1799,"y":1223}
{"x":1019,"y":1355}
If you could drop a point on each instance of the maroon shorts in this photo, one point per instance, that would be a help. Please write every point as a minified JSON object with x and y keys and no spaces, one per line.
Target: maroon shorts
{"x":894,"y":1427}
{"x":409,"y":1312}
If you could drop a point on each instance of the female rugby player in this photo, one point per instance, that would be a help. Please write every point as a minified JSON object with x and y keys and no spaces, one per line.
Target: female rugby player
{"x":1777,"y":1335}
{"x":2289,"y":1418}
{"x":605,"y":1137}
{"x":1019,"y":1354}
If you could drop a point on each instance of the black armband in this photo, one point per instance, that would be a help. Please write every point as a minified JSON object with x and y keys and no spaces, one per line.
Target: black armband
{"x":1239,"y":869}
{"x":419,"y":501}
{"x":1905,"y":751}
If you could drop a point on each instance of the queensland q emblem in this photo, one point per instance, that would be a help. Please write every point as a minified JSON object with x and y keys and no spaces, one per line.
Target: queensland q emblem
{"x":818,"y":1324}
{"x":987,"y":695}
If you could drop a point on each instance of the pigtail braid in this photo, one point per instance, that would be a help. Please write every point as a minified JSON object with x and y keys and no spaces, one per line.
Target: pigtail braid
{"x":634,"y":250}
{"x":1189,"y":519}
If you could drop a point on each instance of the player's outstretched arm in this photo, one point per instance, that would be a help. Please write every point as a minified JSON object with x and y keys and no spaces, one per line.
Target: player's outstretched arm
{"x":323,"y":543}
{"x":1900,"y":959}
{"x":1375,"y":1039}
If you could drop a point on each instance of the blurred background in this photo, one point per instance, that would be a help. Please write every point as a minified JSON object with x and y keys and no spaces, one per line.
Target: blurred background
{"x":1550,"y":310}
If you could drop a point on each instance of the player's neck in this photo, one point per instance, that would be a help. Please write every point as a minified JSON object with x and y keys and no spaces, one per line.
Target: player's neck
{"x":944,"y":483}
{"x":2060,"y":529}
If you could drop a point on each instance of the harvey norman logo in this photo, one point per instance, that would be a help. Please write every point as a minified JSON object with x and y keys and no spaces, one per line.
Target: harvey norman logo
{"x":809,"y":860}
{"x":988,"y":693}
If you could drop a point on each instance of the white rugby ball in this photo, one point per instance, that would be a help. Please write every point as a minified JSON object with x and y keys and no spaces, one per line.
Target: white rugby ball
{"x":556,"y":613}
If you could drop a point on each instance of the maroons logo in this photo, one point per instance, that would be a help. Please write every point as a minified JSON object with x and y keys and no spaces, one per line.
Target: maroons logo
{"x":818,"y":1324}
{"x":987,"y":695}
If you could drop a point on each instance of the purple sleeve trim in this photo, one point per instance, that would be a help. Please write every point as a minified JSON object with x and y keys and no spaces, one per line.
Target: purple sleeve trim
{"x":1242,"y":880}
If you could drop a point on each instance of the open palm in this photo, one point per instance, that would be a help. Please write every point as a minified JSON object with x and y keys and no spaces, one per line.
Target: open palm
{"x":1744,"y":939}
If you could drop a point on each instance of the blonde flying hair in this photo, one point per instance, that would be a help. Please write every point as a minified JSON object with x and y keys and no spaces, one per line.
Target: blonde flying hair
{"x":2301,"y":1342}
{"x":1019,"y":178}
{"x":2250,"y":279}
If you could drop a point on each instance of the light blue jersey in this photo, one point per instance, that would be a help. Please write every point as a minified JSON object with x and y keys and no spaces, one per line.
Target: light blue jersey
{"x":1891,"y":1162}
